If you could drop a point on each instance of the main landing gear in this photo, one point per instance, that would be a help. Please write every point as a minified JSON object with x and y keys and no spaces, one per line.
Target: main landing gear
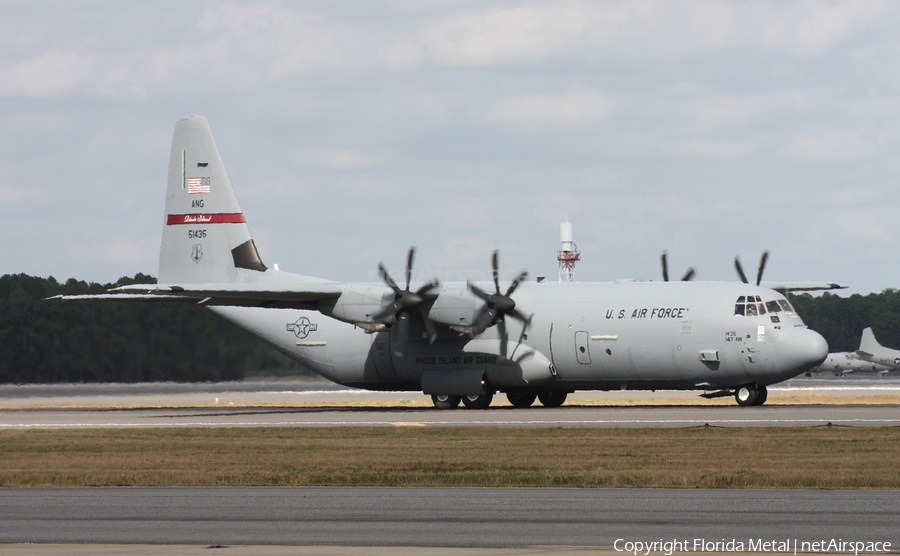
{"x":750,"y":394}
{"x":483,"y":401}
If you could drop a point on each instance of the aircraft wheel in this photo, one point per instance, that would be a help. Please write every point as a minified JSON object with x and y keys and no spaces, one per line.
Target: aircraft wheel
{"x":521,"y":399}
{"x":445,"y":401}
{"x":552,"y":398}
{"x":478,"y":402}
{"x":761,"y":397}
{"x":746,"y":395}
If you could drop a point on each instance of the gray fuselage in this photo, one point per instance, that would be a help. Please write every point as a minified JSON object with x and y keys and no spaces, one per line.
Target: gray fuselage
{"x":582,"y":336}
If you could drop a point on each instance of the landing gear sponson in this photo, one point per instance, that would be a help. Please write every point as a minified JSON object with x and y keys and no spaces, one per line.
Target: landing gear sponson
{"x":483,"y":401}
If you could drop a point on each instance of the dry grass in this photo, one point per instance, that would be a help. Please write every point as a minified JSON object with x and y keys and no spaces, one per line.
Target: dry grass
{"x":831,"y":458}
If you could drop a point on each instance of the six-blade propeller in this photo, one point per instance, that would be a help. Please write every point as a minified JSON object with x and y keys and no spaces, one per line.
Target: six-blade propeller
{"x":497,"y":305}
{"x":406,"y":303}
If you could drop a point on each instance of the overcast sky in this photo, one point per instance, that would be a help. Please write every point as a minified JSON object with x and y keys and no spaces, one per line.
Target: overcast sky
{"x":352,"y":130}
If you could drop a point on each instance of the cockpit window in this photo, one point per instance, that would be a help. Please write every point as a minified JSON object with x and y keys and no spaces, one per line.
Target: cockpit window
{"x":786,"y":305}
{"x":753,"y":305}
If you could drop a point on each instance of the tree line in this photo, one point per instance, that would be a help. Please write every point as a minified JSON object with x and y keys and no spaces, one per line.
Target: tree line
{"x":108,"y":341}
{"x":46,"y":341}
{"x":841,"y":320}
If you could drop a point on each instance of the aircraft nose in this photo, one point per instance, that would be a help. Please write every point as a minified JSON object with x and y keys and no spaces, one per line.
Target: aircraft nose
{"x":801,"y":350}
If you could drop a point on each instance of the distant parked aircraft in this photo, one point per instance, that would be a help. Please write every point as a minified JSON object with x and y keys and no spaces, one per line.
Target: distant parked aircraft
{"x":847,"y":362}
{"x":870,"y":350}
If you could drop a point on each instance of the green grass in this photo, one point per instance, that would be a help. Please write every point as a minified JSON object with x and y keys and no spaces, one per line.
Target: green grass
{"x":817,"y":458}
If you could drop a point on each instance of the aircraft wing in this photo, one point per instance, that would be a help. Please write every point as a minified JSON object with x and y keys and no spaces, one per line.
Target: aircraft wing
{"x":315,"y":291}
{"x":283,"y":296}
{"x":802,"y":286}
{"x":124,"y":297}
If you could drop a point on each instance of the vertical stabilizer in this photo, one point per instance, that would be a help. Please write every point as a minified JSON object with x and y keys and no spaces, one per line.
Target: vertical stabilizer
{"x":205,"y":237}
{"x":868,"y":344}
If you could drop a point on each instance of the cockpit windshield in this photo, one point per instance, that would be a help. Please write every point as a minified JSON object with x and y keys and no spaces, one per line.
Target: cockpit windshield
{"x":753,"y":305}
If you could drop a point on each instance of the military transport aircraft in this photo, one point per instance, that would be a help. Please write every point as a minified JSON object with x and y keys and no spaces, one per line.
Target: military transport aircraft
{"x":465,"y":342}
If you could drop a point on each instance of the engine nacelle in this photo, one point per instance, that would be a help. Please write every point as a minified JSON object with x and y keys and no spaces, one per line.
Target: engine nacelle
{"x":357,"y":304}
{"x":455,"y":309}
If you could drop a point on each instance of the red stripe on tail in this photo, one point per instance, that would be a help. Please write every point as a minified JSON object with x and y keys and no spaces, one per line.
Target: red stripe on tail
{"x":232,"y":218}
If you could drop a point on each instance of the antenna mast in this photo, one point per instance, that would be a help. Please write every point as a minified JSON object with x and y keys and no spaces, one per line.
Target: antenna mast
{"x":568,"y":254}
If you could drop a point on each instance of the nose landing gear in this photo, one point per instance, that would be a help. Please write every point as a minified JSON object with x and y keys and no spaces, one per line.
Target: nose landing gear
{"x":750,"y":394}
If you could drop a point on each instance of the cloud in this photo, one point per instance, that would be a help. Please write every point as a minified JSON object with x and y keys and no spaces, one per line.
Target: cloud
{"x":122,"y":252}
{"x":402,"y":56}
{"x":810,"y":28}
{"x":58,"y":72}
{"x":552,"y":208}
{"x":414,"y":105}
{"x":336,"y":159}
{"x":671,"y":208}
{"x":666,"y":144}
{"x":839,"y":145}
{"x":533,"y":112}
{"x":10,"y":194}
{"x":466,"y":214}
{"x":498,"y":35}
{"x":534,"y":32}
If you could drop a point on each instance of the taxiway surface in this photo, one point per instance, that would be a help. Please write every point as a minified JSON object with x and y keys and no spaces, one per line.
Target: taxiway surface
{"x":458,"y":517}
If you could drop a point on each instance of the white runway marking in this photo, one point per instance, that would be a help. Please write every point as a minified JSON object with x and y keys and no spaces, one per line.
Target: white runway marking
{"x":523,"y":423}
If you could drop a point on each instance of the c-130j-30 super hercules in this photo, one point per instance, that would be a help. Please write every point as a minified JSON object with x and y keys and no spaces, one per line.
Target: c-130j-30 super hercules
{"x":466,"y":342}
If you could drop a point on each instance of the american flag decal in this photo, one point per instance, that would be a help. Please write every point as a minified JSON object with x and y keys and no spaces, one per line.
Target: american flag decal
{"x":197,"y":186}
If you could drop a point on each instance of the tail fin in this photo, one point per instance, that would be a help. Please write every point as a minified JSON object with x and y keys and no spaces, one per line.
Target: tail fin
{"x":868,"y":344}
{"x":205,"y":237}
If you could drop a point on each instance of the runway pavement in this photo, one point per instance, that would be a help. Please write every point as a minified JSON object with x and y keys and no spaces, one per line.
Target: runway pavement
{"x":850,"y":402}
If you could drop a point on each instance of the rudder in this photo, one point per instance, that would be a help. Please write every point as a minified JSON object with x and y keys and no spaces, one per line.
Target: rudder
{"x":205,"y":236}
